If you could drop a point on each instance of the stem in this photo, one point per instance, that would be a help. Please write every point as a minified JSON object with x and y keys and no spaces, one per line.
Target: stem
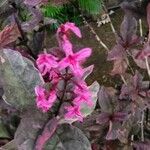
{"x":23,"y":36}
{"x":147,"y":66}
{"x":62,"y":98}
{"x":142,"y":127}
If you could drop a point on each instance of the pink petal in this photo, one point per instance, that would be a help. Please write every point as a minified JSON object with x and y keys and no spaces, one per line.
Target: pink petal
{"x":73,"y":112}
{"x":73,"y":28}
{"x":52,"y":97}
{"x":39,"y":90}
{"x":41,"y":101}
{"x":82,"y":54}
{"x":63,"y":64}
{"x":67,"y":46}
{"x":45,"y":62}
{"x":79,"y":100}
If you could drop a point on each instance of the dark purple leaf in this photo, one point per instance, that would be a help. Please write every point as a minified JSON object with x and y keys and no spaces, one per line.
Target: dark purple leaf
{"x":19,"y":77}
{"x":137,"y":80}
{"x":34,"y":21}
{"x":124,"y":92}
{"x":131,"y":8}
{"x":141,"y":145}
{"x":35,"y":2}
{"x":46,"y":134}
{"x":120,"y":67}
{"x":8,"y":35}
{"x":117,"y":52}
{"x":88,"y":71}
{"x":119,"y":116}
{"x":105,"y":101}
{"x":113,"y":131}
{"x":144,"y":53}
{"x":59,"y":2}
{"x":113,"y":117}
{"x":31,"y":123}
{"x":103,"y":118}
{"x":127,"y":91}
{"x":140,"y":62}
{"x":37,"y":42}
{"x":68,"y":137}
{"x":123,"y":135}
{"x":128,"y":30}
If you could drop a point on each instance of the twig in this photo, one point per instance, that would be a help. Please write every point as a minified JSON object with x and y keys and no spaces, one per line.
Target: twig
{"x":123,"y":79}
{"x":111,"y":24}
{"x":128,"y":63}
{"x":91,"y":28}
{"x":141,"y":29}
{"x":142,"y":127}
{"x":116,"y":35}
{"x":140,"y":24}
{"x":96,"y":35}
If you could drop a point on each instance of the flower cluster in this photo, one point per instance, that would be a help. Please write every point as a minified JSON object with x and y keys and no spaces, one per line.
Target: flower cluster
{"x":67,"y":69}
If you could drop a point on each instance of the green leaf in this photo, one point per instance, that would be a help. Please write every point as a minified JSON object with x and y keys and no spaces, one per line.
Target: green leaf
{"x":51,"y":11}
{"x":91,"y":6}
{"x":19,"y":78}
{"x":68,"y":137}
{"x":85,"y":109}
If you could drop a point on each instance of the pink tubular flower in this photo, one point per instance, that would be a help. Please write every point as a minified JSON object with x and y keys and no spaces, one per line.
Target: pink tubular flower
{"x":74,"y":60}
{"x":73,"y":112}
{"x":44,"y":100}
{"x":45,"y":62}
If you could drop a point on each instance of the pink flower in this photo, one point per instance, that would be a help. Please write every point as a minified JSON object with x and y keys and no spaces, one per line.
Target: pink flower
{"x":45,"y":62}
{"x":65,"y":28}
{"x":83,"y":94}
{"x":82,"y":89}
{"x":82,"y":99}
{"x":74,"y":60}
{"x":66,"y":44}
{"x":63,"y":35}
{"x":73,"y":112}
{"x":44,"y":100}
{"x":54,"y":76}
